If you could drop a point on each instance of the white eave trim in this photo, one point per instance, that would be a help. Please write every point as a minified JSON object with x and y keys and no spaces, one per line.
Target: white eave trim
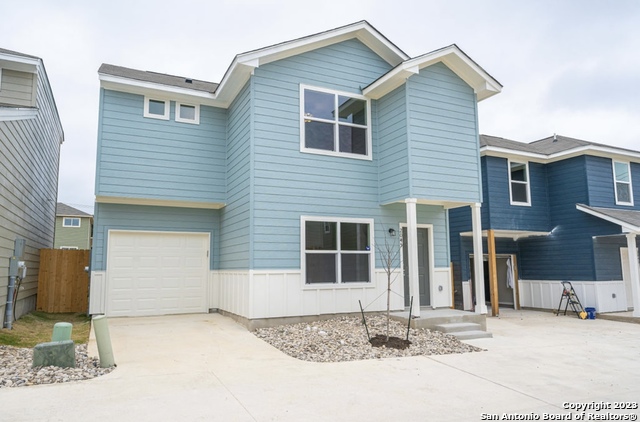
{"x":17,"y":113}
{"x":244,"y":64}
{"x":134,"y":86}
{"x":361,"y":30}
{"x":595,"y":150}
{"x":512,"y":234}
{"x":482,"y":83}
{"x":19,"y":63}
{"x":158,"y":202}
{"x":625,"y":226}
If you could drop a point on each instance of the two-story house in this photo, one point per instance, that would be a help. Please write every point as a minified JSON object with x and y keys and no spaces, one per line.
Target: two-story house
{"x":557,"y":209}
{"x":264,"y":196}
{"x":30,"y":139}
{"x":73,"y":228}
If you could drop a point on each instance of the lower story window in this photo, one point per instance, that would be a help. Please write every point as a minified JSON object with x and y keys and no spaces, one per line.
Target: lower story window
{"x":337,"y":251}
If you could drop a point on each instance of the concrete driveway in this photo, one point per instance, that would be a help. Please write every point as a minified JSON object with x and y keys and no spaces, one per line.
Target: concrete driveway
{"x":208,"y":368}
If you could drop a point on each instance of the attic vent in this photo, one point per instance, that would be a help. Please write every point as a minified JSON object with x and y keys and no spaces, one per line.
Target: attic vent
{"x":189,"y":81}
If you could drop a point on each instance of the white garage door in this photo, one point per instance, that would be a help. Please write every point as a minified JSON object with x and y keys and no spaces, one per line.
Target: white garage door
{"x":156,"y":273}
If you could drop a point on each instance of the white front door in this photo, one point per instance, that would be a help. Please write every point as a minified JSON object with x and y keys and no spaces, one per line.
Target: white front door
{"x":156,"y":273}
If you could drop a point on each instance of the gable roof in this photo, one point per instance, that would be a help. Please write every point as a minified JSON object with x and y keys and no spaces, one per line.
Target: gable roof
{"x":64,"y":210}
{"x":453,"y":57}
{"x":242,"y":66}
{"x":628,"y":220}
{"x":158,"y":78}
{"x":552,"y":148}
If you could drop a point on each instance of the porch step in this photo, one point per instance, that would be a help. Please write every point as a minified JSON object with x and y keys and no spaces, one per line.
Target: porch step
{"x":463,"y":330}
{"x":470,"y":335}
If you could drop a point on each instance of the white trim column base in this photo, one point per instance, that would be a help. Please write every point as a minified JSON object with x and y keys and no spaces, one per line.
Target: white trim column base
{"x":476,"y":221}
{"x":633,"y":272}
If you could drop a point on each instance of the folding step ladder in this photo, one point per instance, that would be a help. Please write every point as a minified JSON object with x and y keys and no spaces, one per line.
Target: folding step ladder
{"x":569,"y":295}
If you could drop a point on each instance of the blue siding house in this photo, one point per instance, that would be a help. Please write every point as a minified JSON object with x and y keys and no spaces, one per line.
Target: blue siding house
{"x":264,"y":196}
{"x":555,"y":209}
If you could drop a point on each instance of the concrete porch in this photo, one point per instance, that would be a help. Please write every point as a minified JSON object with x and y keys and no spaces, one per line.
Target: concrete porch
{"x":462,"y":324}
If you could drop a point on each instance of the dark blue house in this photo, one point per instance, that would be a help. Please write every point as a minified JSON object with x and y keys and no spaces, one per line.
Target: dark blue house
{"x":554,"y":209}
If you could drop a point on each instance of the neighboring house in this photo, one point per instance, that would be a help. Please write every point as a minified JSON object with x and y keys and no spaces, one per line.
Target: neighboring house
{"x":73,"y":228}
{"x":30,"y":138}
{"x":264,"y":196}
{"x":556,"y":209}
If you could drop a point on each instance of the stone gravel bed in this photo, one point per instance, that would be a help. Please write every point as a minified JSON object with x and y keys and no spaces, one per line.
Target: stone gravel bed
{"x":16,"y":371}
{"x":345,"y":339}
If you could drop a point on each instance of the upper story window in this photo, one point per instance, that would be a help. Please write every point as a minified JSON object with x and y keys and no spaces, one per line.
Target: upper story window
{"x":187,"y":113}
{"x":622,"y":180}
{"x":335,"y":123}
{"x":337,"y":251}
{"x":70,"y":222}
{"x":156,"y":109}
{"x":519,"y":183}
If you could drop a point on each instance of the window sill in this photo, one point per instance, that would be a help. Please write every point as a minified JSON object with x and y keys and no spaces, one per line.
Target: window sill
{"x":337,"y":286}
{"x":335,"y":154}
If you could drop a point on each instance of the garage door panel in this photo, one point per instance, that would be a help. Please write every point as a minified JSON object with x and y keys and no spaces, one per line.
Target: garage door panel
{"x":156,"y":273}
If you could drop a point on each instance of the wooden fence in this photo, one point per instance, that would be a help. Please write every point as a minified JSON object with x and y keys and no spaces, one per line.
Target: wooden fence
{"x":63,"y":283}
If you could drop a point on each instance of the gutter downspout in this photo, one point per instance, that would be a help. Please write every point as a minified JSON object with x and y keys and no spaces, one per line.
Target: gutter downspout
{"x":18,"y":251}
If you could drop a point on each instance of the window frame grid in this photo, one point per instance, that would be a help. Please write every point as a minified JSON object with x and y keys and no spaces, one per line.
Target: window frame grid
{"x":527,"y":184}
{"x":337,"y":252}
{"x":616,"y":181}
{"x":336,"y":124}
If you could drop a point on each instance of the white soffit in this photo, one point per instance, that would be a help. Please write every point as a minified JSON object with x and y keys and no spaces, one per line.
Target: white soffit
{"x":595,"y":150}
{"x":510,"y":234}
{"x":482,"y":83}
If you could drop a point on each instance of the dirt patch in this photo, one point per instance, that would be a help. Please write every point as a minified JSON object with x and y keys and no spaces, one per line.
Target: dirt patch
{"x":393,"y":342}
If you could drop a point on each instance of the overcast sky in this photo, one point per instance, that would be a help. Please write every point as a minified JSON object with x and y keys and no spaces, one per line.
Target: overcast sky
{"x":567,"y":67}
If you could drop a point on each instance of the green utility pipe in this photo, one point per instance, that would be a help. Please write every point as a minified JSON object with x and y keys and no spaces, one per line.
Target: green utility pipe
{"x":103,"y":340}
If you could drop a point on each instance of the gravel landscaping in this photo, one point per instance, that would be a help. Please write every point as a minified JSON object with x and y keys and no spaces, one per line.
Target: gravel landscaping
{"x":16,"y":371}
{"x":345,"y":339}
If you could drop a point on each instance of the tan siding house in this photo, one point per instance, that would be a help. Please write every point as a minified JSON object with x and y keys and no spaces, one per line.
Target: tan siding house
{"x":30,"y":138}
{"x":73,"y":228}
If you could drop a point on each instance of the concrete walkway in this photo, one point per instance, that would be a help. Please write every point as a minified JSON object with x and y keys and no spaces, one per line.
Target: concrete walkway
{"x":208,"y":368}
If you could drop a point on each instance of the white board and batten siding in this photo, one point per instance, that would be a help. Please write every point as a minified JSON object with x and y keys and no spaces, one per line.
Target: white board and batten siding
{"x":604,"y":296}
{"x":262,"y":294}
{"x":153,"y":273}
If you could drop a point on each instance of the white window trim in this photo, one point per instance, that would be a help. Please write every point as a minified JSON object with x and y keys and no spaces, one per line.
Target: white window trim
{"x":368,"y":156}
{"x":339,"y":284}
{"x":167,"y":108}
{"x":71,"y":225}
{"x":195,"y":121}
{"x":526,"y":168}
{"x":615,"y":182}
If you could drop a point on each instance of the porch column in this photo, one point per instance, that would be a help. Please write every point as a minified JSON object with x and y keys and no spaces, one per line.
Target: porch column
{"x":412,"y":254}
{"x":633,"y":272}
{"x":476,"y":221}
{"x":493,"y":272}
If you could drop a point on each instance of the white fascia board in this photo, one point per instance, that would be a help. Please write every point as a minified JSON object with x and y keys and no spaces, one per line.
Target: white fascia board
{"x":599,"y":151}
{"x":18,"y":113}
{"x":390,"y":81}
{"x":19,"y":63}
{"x":361,"y":30}
{"x":482,"y":83}
{"x":158,"y":202}
{"x":513,"y":154}
{"x":625,"y":226}
{"x":510,"y":234}
{"x":134,"y":86}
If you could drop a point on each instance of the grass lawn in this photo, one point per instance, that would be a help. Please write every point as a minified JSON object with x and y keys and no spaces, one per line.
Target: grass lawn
{"x":37,"y":327}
